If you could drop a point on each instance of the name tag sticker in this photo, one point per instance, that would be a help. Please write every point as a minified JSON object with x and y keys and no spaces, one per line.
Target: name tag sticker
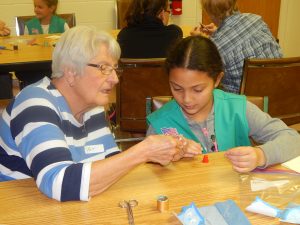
{"x":91,"y":149}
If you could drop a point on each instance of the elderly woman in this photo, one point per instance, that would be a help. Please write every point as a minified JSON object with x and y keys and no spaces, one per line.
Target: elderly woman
{"x":55,"y":130}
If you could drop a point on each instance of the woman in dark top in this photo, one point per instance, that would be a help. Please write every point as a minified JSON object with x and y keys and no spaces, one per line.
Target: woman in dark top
{"x":147,"y":34}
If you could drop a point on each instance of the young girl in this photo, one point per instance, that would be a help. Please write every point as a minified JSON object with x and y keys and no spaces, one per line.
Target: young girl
{"x":45,"y":22}
{"x":218,"y":120}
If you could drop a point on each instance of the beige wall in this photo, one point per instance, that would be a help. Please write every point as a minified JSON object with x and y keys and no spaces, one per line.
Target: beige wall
{"x":289,"y":28}
{"x":100,"y":13}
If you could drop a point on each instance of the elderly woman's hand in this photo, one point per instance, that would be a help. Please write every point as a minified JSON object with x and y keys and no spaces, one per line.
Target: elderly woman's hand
{"x":187,"y":148}
{"x":163,"y":149}
{"x":159,"y":148}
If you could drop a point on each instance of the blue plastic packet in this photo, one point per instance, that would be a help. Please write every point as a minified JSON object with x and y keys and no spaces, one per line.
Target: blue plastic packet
{"x":190,"y":215}
{"x":291,"y":215}
{"x":264,"y":208}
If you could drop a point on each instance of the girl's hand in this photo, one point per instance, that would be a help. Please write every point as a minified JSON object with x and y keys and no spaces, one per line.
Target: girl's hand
{"x":245,"y":159}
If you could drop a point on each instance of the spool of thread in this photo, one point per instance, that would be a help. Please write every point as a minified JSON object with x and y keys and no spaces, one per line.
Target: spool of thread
{"x":162,"y":203}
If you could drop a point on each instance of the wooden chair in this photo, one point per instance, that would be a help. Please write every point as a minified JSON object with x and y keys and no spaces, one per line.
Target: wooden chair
{"x":3,"y":104}
{"x":21,"y":20}
{"x":121,"y":7}
{"x":278,"y":79}
{"x":141,"y":78}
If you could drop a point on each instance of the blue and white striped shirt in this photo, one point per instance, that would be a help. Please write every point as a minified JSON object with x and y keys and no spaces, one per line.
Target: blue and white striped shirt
{"x":239,"y":37}
{"x":40,"y":138}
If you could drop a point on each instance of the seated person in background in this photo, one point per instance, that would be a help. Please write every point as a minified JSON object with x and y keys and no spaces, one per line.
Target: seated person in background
{"x":147,"y":34}
{"x":238,"y":36}
{"x":4,"y":30}
{"x":56,"y":131}
{"x":45,"y":22}
{"x":218,"y":120}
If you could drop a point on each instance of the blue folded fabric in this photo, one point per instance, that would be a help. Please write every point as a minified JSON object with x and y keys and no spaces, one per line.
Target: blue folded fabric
{"x":221,"y":213}
{"x":232,"y":213}
{"x":212,"y":215}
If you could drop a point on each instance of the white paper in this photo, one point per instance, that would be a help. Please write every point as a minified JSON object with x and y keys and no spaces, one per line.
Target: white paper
{"x":293,"y":164}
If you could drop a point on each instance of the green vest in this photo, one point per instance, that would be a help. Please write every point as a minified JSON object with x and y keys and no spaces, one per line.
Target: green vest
{"x":57,"y":25}
{"x":231,"y":125}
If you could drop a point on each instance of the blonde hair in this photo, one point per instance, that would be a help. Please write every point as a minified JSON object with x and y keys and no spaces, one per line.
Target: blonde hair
{"x":218,"y":10}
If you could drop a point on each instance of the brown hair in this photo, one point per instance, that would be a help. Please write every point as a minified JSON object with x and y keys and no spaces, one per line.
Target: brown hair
{"x":138,"y":10}
{"x":195,"y":53}
{"x":218,"y":10}
{"x":51,"y":3}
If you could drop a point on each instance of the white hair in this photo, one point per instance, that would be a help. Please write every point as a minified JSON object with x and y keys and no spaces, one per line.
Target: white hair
{"x":77,"y":46}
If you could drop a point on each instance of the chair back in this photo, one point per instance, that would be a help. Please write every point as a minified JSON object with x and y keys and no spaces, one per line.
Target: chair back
{"x":21,"y":20}
{"x":262,"y":102}
{"x":141,"y":78}
{"x":121,"y":7}
{"x":155,"y":102}
{"x":3,"y":104}
{"x":278,"y":79}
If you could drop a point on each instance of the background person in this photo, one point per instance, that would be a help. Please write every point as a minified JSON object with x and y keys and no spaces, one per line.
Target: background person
{"x":148,"y":34}
{"x":218,"y":120}
{"x":46,"y":20}
{"x":238,"y":36}
{"x":56,"y":131}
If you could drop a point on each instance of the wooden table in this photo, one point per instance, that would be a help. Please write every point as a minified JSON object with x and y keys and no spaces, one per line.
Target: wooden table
{"x":31,"y":61}
{"x":41,"y":50}
{"x":183,"y":182}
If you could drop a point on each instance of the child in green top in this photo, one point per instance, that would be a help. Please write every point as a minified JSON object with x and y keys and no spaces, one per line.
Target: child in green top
{"x":219,"y":121}
{"x":46,"y":20}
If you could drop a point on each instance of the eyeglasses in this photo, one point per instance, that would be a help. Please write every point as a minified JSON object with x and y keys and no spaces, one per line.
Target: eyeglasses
{"x":106,"y":69}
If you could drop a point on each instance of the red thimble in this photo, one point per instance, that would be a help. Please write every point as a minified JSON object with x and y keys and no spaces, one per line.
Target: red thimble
{"x":205,"y":159}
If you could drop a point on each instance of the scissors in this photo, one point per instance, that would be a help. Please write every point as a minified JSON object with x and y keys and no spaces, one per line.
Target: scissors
{"x":128,"y":205}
